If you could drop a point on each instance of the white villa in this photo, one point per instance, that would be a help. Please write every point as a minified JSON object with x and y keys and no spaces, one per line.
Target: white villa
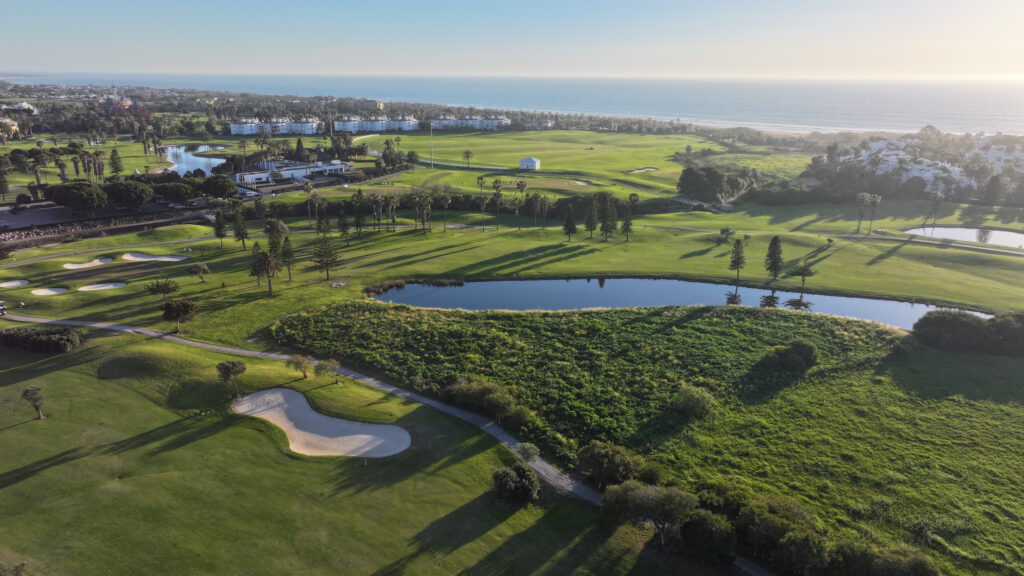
{"x":9,"y":122}
{"x":474,"y":122}
{"x":530,"y":163}
{"x":21,"y":107}
{"x":376,"y":124}
{"x":290,"y":169}
{"x":252,"y":126}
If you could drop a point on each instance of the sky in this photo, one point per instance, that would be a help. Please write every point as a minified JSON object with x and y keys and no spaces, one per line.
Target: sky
{"x":889,"y":39}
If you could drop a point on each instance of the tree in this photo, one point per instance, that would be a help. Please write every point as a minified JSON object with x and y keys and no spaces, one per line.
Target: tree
{"x":276,"y":230}
{"x":517,"y":483}
{"x":466,"y":155}
{"x":482,"y":200}
{"x":608,"y":224}
{"x":34,"y":396}
{"x":301,"y":363}
{"x":116,"y":165}
{"x":590,"y":220}
{"x":706,"y":184}
{"x":569,"y":226}
{"x":446,"y":200}
{"x":128,"y":193}
{"x":329,"y":367}
{"x":200,"y":270}
{"x":862,"y":203}
{"x":627,"y":222}
{"x":325,"y":256}
{"x":773,"y":259}
{"x":162,"y":287}
{"x":606,"y":463}
{"x":873,"y":201}
{"x":178,"y":311}
{"x":219,"y":186}
{"x":527,"y":452}
{"x":220,"y":226}
{"x":229,"y":370}
{"x":5,"y":251}
{"x":664,"y":507}
{"x":256,"y":262}
{"x":804,"y":271}
{"x":287,"y":256}
{"x":737,"y":260}
{"x":240,"y":229}
{"x":708,"y":536}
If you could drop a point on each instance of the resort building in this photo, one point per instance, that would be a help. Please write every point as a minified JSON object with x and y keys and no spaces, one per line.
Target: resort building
{"x":275,"y":126}
{"x":530,"y":163}
{"x":376,"y":124}
{"x":469,"y":122}
{"x":11,"y":124}
{"x":21,"y":107}
{"x":271,"y":170}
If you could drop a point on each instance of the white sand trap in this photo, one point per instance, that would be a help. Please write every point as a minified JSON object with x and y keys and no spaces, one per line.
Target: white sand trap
{"x":312,"y":433}
{"x":92,"y":264}
{"x":642,"y":170}
{"x":14,"y":284}
{"x":139,"y":257}
{"x":104,"y":286}
{"x":49,"y":291}
{"x":580,"y":183}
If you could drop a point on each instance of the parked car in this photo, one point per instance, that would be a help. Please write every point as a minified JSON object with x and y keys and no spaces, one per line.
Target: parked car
{"x":176,"y":206}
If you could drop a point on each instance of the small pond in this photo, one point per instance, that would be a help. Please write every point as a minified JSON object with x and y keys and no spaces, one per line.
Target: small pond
{"x":578,"y":293}
{"x":981,"y":235}
{"x":185,"y":159}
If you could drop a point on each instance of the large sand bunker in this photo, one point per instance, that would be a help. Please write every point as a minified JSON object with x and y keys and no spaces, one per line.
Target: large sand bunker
{"x":49,"y":291}
{"x":92,"y":264}
{"x":139,"y":257}
{"x":14,"y":284}
{"x":103,"y":286}
{"x":315,"y":434}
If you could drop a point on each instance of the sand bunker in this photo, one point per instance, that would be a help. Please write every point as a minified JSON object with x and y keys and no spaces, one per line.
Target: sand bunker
{"x":580,"y":183}
{"x":642,"y":170}
{"x":139,"y":257}
{"x":104,"y":286}
{"x":96,"y":262}
{"x":14,"y":284}
{"x":49,"y":291}
{"x":312,"y":433}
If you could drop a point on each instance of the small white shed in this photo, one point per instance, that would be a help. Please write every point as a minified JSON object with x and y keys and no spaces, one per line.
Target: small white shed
{"x":530,"y":163}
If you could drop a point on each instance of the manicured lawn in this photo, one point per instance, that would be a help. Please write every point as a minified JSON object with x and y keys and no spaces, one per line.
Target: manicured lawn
{"x":136,"y":471}
{"x":888,"y":443}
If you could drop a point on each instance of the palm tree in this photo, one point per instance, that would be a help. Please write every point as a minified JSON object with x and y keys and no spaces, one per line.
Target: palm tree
{"x":862,"y":203}
{"x":466,"y":155}
{"x":480,"y":181}
{"x":497,"y":202}
{"x":517,"y":203}
{"x":873,"y":201}
{"x":308,"y":189}
{"x":445,"y":201}
{"x":482,"y":200}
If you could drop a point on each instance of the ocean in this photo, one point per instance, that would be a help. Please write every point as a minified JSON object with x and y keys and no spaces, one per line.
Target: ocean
{"x":988,"y":106}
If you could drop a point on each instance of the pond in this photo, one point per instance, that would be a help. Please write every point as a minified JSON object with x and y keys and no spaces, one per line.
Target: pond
{"x":573,"y":294}
{"x":981,"y":235}
{"x":185,"y":159}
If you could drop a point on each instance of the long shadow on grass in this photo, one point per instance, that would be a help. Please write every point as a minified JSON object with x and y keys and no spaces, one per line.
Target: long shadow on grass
{"x":888,"y":253}
{"x":937,"y":374}
{"x":452,"y":531}
{"x":523,"y":259}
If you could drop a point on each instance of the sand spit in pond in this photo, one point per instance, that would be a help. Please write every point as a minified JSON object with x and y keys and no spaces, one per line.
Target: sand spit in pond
{"x":139,"y":257}
{"x":103,"y":286}
{"x":14,"y":284}
{"x":92,"y":264}
{"x":49,"y":291}
{"x":312,"y":433}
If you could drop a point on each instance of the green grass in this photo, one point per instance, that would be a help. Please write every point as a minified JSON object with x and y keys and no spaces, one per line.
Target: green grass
{"x":889,"y":449}
{"x":133,"y":472}
{"x":240,"y":309}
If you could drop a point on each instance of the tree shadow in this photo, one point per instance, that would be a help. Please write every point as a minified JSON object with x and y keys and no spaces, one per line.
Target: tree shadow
{"x":936,"y":374}
{"x":888,"y":253}
{"x":12,"y":477}
{"x":452,"y":531}
{"x":762,"y":381}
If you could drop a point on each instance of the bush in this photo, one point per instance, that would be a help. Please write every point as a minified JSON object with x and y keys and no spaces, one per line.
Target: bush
{"x":23,"y":198}
{"x":798,"y":355}
{"x":693,"y":403}
{"x":128,"y":193}
{"x":725,"y":497}
{"x":708,"y":537}
{"x":606,"y":463}
{"x":44,"y":339}
{"x":519,"y":417}
{"x":517,"y":483}
{"x":952,"y":330}
{"x":481,"y":396}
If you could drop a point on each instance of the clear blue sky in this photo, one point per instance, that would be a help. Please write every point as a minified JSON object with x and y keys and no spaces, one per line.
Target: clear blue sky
{"x":664,"y":38}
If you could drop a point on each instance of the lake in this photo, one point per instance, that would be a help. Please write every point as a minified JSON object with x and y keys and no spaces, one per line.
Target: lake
{"x":981,"y":235}
{"x":185,"y":159}
{"x":579,"y":293}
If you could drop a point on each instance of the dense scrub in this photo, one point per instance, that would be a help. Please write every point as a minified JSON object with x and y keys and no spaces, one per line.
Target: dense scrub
{"x":955,"y":330}
{"x":882,"y":443}
{"x":42,"y":339}
{"x":588,"y":374}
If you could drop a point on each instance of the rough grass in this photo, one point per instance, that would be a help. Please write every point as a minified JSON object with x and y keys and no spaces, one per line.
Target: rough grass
{"x":135,"y":470}
{"x":885,"y":443}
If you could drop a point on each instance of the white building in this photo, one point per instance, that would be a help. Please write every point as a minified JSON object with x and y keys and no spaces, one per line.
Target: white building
{"x":252,"y":126}
{"x":290,"y":169}
{"x":471,"y":122}
{"x":376,"y":124}
{"x":21,"y":107}
{"x":530,"y":163}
